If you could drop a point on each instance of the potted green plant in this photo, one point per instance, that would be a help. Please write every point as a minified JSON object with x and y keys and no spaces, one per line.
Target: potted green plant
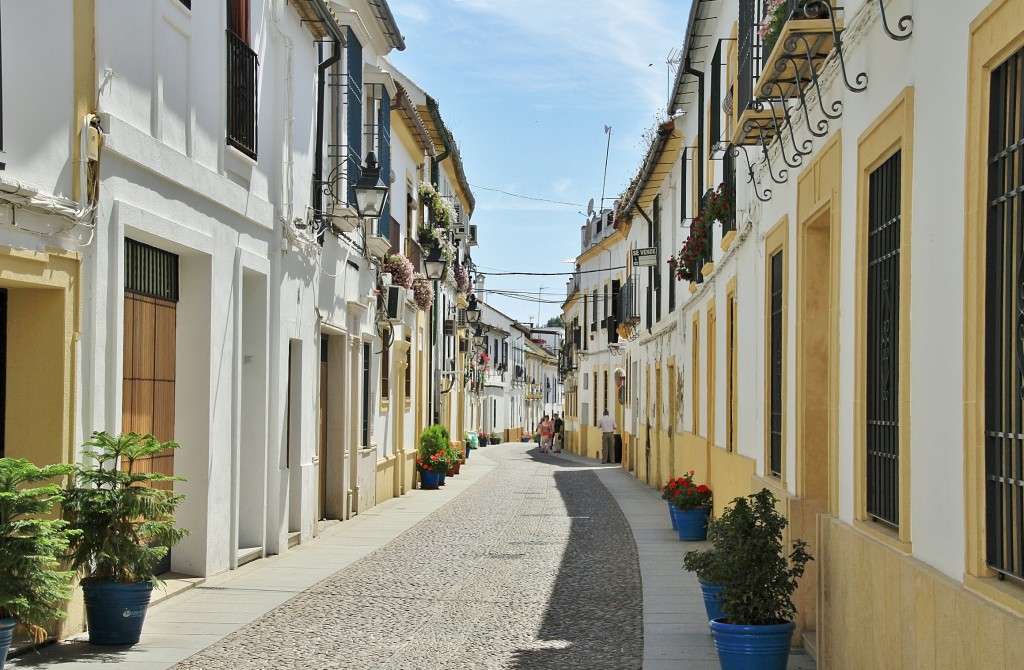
{"x":455,"y":458}
{"x":432,"y":456}
{"x":776,"y":14}
{"x":757,"y":581}
{"x":691,"y":507}
{"x":124,"y":525}
{"x":33,"y":587}
{"x":484,"y":437}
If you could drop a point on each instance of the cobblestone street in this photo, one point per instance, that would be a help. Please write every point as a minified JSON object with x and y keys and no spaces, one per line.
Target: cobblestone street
{"x":534,"y":567}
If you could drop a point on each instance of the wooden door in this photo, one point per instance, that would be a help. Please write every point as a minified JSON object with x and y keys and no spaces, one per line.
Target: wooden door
{"x":149,"y":360}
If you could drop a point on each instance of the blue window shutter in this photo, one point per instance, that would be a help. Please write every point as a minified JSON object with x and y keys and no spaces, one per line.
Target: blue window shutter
{"x":354,"y":111}
{"x":384,"y":157}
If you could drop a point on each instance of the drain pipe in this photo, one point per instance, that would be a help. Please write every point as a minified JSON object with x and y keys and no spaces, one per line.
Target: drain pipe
{"x":688,"y":68}
{"x":435,"y":179}
{"x":337,"y":40}
{"x":435,"y":115}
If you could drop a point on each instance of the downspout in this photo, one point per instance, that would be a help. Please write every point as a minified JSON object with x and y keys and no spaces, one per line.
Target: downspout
{"x":337,"y":39}
{"x":435,"y":177}
{"x":435,"y":116}
{"x":700,"y":122}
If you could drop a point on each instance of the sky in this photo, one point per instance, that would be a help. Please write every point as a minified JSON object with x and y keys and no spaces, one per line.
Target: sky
{"x":527,"y":88}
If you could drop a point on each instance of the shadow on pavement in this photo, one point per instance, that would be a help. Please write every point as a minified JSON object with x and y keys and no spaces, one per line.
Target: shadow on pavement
{"x":594,"y":617}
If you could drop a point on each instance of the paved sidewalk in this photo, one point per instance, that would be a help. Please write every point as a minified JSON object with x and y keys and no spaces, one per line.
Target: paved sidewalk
{"x":675,"y":629}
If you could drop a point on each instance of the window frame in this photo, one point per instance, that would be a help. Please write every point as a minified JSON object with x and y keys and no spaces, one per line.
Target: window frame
{"x":891,"y":131}
{"x":776,"y":242}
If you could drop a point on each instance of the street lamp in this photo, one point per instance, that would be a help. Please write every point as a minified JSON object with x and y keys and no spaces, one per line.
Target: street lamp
{"x":371,"y":192}
{"x":478,"y":335}
{"x":434,"y":263}
{"x":473,"y":311}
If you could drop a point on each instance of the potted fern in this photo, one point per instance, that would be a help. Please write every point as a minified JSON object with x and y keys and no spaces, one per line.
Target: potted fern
{"x":757,"y":579}
{"x":33,"y":587}
{"x":124,"y":525}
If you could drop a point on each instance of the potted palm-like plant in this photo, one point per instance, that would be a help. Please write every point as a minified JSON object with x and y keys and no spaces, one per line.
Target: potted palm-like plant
{"x":757,"y":580}
{"x":124,"y":525}
{"x":33,"y":587}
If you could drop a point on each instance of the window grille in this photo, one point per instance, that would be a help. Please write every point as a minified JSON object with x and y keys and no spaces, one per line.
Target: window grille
{"x":749,"y":52}
{"x":1004,"y":321}
{"x":775,"y":367}
{"x":883,"y":329}
{"x":366,"y":396}
{"x":242,"y":74}
{"x":150,"y":271}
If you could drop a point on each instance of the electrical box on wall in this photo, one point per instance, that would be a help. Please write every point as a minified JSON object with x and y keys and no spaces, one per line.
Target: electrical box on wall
{"x":395,"y":303}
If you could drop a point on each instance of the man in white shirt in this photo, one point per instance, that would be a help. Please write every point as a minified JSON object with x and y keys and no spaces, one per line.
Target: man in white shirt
{"x":608,"y":428}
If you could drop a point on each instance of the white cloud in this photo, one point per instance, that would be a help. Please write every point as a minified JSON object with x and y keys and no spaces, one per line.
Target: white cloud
{"x":413,"y":11}
{"x":587,"y":44}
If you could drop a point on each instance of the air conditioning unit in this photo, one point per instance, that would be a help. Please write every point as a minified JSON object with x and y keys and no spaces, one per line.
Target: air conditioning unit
{"x":460,"y":231}
{"x":472,"y":236}
{"x":460,"y":214}
{"x":395,"y":298}
{"x":460,"y":317}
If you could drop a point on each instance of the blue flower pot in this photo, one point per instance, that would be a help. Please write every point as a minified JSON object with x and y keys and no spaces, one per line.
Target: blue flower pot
{"x":672,"y":513}
{"x":752,"y":647}
{"x":711,"y":592}
{"x":6,"y":633}
{"x":441,"y":477}
{"x":429,"y":480}
{"x":692,"y":524}
{"x":116,"y":612}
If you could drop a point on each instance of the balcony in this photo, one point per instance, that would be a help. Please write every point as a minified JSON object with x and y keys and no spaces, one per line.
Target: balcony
{"x":627,"y":308}
{"x":783,"y":67}
{"x":243,"y":69}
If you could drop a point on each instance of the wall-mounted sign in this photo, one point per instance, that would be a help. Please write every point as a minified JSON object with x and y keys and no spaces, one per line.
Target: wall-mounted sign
{"x":647,"y":256}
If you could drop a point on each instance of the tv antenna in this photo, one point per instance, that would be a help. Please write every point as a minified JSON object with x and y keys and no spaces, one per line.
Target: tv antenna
{"x":608,"y":146}
{"x":674,"y":58}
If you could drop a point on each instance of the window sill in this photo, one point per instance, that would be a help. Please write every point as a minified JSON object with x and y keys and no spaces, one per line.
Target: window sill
{"x":1005,"y":593}
{"x":887,"y":536}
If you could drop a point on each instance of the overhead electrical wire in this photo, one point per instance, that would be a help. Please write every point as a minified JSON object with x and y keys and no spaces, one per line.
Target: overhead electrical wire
{"x":526,"y":197}
{"x":489,"y":273}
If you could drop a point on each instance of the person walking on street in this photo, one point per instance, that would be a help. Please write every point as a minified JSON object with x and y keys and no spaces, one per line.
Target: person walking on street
{"x":544,"y":428}
{"x":608,"y":428}
{"x":559,"y":437}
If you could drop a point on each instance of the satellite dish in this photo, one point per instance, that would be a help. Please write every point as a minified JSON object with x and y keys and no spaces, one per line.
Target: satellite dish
{"x":590,"y":207}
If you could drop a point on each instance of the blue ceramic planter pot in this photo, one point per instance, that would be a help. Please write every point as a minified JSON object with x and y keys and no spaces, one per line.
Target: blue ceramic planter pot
{"x":710,"y":592}
{"x":441,"y":478}
{"x":752,"y":647}
{"x":116,"y":612}
{"x":429,"y":480}
{"x":6,"y":633}
{"x":692,"y":524}
{"x":672,"y":513}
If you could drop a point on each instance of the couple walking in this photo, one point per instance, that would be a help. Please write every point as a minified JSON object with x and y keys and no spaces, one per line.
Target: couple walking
{"x":550,"y":433}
